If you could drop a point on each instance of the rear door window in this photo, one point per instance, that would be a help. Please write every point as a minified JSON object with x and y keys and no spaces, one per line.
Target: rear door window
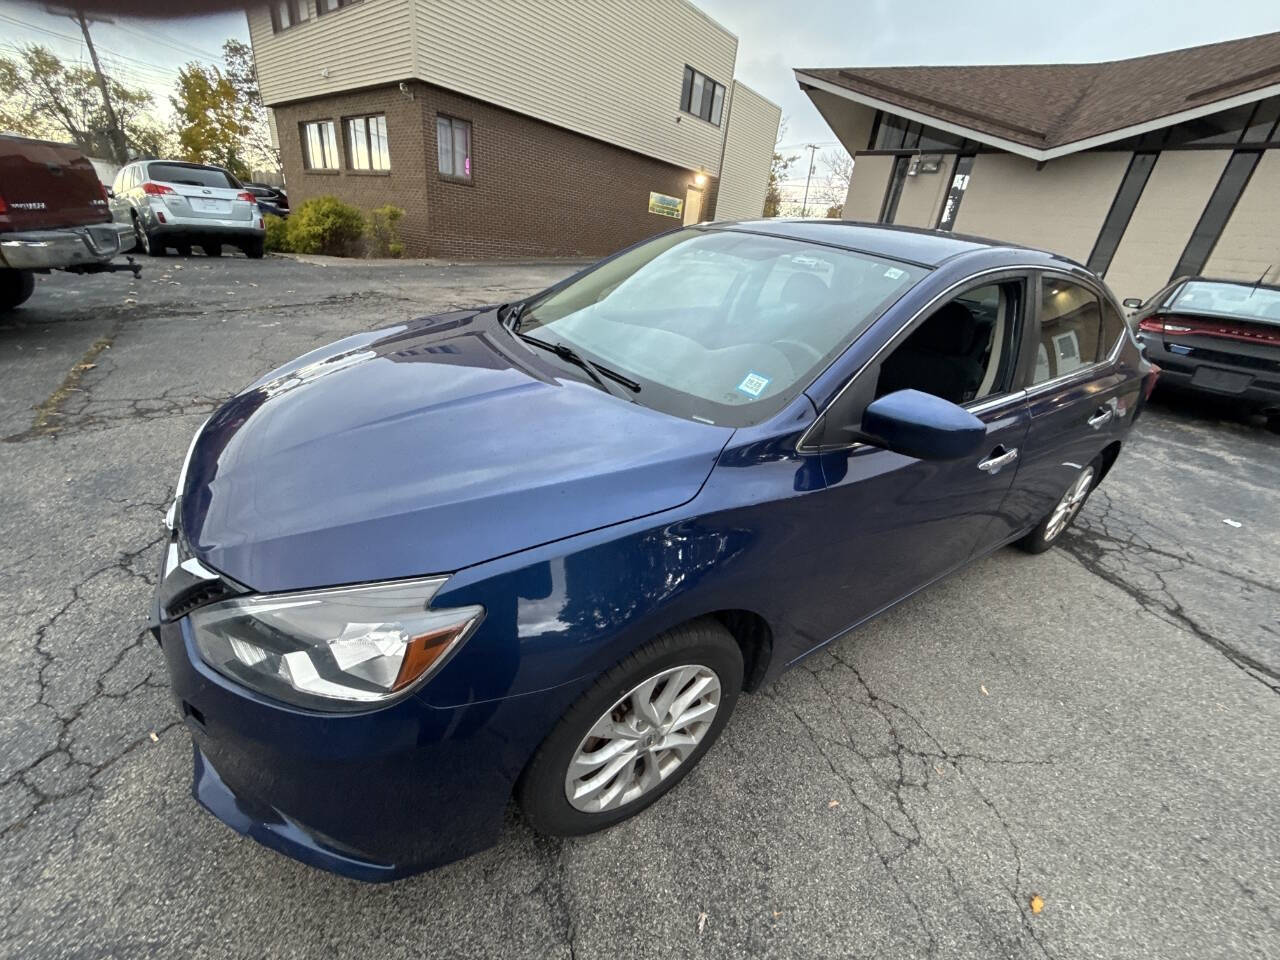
{"x":1070,"y":329}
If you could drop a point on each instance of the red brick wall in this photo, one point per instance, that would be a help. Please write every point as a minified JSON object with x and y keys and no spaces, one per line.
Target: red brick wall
{"x":536,"y":190}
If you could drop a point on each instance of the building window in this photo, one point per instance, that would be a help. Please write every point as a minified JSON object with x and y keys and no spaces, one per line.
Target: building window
{"x":453,"y":147}
{"x":889,"y":209}
{"x":289,"y":13}
{"x":1216,"y":213}
{"x":328,"y":6}
{"x":367,"y":143}
{"x":891,"y":132}
{"x":319,"y":145}
{"x":1122,"y":207}
{"x":959,"y":184}
{"x":1265,"y":123}
{"x":702,"y":96}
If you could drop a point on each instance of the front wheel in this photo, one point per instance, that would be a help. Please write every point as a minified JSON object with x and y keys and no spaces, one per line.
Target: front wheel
{"x":16,"y":286}
{"x":1060,"y":517}
{"x":636,"y":733}
{"x":255,"y":249}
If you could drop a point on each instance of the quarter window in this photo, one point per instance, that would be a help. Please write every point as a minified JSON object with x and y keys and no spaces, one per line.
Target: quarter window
{"x":367,"y":143}
{"x":320,"y":145}
{"x":702,"y":96}
{"x":1070,"y":327}
{"x":453,"y":147}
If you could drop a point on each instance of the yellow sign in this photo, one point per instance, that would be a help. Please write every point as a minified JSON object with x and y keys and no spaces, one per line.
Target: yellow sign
{"x":666,"y":206}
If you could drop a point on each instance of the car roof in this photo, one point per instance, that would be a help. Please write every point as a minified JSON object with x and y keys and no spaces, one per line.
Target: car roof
{"x":927,"y":248}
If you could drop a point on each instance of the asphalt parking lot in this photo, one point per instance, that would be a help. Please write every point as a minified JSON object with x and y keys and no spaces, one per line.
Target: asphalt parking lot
{"x":1097,"y":727}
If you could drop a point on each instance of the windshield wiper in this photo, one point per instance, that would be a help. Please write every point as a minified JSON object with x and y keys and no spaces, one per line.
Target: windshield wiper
{"x":509,"y":314}
{"x":594,"y":370}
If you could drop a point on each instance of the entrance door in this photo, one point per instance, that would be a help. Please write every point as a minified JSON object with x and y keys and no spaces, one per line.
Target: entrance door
{"x":692,"y":206}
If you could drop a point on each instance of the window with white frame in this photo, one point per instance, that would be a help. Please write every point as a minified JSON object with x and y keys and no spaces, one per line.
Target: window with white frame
{"x":320,"y":145}
{"x":289,"y":13}
{"x":702,"y":96}
{"x":367,"y":143}
{"x":453,"y":146}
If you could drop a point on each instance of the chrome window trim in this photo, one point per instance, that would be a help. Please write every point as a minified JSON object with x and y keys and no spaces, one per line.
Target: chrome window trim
{"x":801,"y":445}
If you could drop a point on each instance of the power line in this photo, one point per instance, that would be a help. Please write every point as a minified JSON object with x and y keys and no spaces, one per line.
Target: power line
{"x":76,"y":40}
{"x":167,"y":41}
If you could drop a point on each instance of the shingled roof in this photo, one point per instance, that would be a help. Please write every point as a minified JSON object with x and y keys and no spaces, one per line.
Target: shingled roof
{"x":1048,"y":109}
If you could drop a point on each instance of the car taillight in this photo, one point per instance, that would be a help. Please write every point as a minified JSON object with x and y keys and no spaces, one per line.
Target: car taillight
{"x":1159,"y":324}
{"x":4,"y":207}
{"x":157,"y":189}
{"x":246,"y":195}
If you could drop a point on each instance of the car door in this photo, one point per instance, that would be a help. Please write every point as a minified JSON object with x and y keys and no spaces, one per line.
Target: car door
{"x":893,"y":524}
{"x":1077,"y":398}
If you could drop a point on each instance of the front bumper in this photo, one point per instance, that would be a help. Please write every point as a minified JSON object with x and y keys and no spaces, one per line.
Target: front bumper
{"x":372,"y":796}
{"x":67,"y":247}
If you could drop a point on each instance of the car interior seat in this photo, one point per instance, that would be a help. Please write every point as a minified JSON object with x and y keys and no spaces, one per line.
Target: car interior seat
{"x":942,"y":357}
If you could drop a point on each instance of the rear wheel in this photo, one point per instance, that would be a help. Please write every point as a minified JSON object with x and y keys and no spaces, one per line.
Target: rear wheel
{"x":636,"y":733}
{"x":1060,"y":517}
{"x":211,"y":249}
{"x":16,"y":287}
{"x":152,"y":248}
{"x":254,"y":249}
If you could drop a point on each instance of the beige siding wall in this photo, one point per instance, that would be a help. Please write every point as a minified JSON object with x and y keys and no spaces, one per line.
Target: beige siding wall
{"x":866,"y":188}
{"x":368,"y":43}
{"x":1170,"y":206}
{"x":922,"y":196}
{"x":1059,"y":207}
{"x":748,"y":154}
{"x":1250,"y":242}
{"x":608,"y":69}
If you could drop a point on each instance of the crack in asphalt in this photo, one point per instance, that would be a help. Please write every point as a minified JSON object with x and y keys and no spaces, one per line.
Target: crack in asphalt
{"x":1103,"y":538}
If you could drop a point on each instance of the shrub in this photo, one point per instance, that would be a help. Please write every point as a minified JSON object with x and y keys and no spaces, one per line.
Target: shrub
{"x":277,"y":234}
{"x":325,"y":225}
{"x":384,"y":236}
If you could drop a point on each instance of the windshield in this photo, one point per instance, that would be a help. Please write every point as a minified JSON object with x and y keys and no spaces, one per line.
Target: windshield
{"x":720,"y":326}
{"x":1229,"y":300}
{"x":195,"y":176}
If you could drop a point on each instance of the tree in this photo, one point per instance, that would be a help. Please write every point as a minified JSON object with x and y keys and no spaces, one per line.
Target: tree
{"x":211,"y":122}
{"x":777,"y":172}
{"x":46,"y":98}
{"x":243,"y":74}
{"x":839,"y":167}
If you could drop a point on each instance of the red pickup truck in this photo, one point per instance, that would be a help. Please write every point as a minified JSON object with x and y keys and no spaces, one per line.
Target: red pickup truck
{"x":53,"y":216}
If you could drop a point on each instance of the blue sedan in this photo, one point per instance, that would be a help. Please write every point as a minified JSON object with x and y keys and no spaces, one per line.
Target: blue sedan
{"x":538,"y":550}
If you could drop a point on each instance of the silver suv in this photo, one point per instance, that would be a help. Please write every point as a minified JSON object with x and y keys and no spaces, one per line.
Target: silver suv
{"x":175,"y":204}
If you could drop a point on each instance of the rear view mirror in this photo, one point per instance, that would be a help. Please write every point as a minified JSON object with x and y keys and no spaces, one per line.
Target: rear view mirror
{"x":1133,"y":303}
{"x":923,"y":426}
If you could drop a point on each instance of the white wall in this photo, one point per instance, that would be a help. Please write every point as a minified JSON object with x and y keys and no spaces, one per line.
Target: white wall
{"x":748,"y":154}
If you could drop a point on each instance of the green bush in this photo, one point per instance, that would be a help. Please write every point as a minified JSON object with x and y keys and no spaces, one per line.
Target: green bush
{"x":325,"y":225}
{"x":383,"y":238}
{"x":277,"y":234}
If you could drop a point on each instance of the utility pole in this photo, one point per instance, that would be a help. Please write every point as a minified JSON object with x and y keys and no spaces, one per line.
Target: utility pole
{"x":118,"y":145}
{"x":804,"y":207}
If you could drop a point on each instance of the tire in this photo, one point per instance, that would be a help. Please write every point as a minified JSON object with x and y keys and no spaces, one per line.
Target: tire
{"x":184,"y":249}
{"x":16,"y":287}
{"x":1051,"y":528}
{"x":255,"y":249}
{"x":690,"y":655}
{"x":149,"y":246}
{"x":211,"y":249}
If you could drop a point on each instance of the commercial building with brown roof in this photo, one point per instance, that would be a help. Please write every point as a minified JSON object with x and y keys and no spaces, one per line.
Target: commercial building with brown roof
{"x":1143,"y":169}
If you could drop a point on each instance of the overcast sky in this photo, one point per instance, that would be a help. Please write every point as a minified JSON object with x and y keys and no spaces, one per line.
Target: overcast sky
{"x":774,"y":37}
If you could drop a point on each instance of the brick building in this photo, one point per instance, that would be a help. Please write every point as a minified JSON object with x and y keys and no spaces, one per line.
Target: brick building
{"x":511,"y":127}
{"x":1144,"y":169}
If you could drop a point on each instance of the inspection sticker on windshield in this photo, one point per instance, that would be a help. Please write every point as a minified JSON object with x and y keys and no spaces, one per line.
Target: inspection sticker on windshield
{"x":893,"y":273}
{"x":753,"y":384}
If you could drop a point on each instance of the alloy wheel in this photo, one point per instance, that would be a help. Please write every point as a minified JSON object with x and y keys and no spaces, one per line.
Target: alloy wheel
{"x":643,"y":738}
{"x":1069,"y":505}
{"x":143,"y":240}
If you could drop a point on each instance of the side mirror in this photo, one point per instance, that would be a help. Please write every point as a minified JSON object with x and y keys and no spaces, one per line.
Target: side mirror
{"x":923,"y":426}
{"x":1133,"y":303}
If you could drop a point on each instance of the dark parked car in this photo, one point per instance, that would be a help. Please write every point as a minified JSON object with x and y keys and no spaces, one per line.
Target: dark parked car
{"x":540,"y":548}
{"x":271,"y":200}
{"x":1218,"y":337}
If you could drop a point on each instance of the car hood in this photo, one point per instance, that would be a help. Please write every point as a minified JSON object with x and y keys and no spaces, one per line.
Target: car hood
{"x":424,"y":449}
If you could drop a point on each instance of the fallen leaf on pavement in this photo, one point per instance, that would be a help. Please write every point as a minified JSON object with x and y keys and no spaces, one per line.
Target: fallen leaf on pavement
{"x":154,"y":738}
{"x":1037,"y":903}
{"x":702,"y":920}
{"x":833,"y":804}
{"x":984,"y":691}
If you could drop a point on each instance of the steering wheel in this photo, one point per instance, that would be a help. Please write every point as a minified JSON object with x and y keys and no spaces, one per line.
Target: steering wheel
{"x":798,"y":350}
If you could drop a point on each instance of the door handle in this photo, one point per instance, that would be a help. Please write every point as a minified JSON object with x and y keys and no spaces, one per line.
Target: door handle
{"x":995,"y":462}
{"x":1101,"y":418}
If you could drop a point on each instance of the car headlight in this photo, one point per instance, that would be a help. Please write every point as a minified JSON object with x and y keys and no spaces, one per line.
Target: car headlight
{"x":349,"y":648}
